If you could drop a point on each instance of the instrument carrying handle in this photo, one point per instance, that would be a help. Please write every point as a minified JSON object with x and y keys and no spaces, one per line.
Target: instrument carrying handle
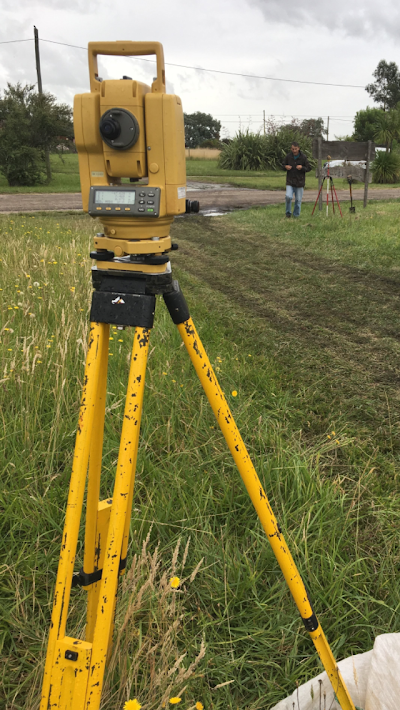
{"x":127,"y":49}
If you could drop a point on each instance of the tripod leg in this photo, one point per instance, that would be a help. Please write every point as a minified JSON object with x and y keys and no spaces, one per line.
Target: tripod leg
{"x":320,"y":190}
{"x":120,"y":511}
{"x":337,"y":200}
{"x":180,"y":315}
{"x":97,"y":514}
{"x":327,"y":195}
{"x":97,"y":336}
{"x":333,"y":204}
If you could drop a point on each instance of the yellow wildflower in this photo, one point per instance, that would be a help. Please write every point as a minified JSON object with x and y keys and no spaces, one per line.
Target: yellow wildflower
{"x":199,"y":706}
{"x":174,"y":582}
{"x":132,"y":705}
{"x":234,"y":393}
{"x":175,"y":701}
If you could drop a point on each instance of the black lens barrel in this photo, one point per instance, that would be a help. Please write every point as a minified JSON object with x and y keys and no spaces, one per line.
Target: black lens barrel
{"x":109,"y":128}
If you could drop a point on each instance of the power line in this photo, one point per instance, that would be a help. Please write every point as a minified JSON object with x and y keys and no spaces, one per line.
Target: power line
{"x":284,"y":115}
{"x":218,"y":71}
{"x":13,"y":41}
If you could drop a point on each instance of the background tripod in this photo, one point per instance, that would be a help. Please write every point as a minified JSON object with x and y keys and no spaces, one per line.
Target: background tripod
{"x":329,"y":180}
{"x":74,"y":668}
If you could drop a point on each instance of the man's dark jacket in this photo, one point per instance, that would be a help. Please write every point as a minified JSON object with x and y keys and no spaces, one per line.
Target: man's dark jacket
{"x":294,"y":177}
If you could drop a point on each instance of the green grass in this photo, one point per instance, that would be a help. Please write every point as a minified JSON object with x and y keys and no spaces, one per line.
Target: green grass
{"x":208,"y":171}
{"x":301,"y":319}
{"x":66,"y":177}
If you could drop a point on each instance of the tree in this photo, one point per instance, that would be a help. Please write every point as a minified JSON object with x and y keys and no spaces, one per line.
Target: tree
{"x":200,"y":127}
{"x":313,"y":127}
{"x":385,"y":90}
{"x":310,"y":127}
{"x":365,"y":124}
{"x":29,"y":123}
{"x":387,"y":127}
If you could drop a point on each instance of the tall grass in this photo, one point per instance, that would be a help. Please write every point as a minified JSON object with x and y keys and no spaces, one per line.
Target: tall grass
{"x":386,"y":168}
{"x":254,"y":151}
{"x":334,"y":494}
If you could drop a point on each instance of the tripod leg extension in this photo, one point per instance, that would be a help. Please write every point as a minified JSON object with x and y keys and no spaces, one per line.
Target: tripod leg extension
{"x":96,"y":513}
{"x":180,"y":315}
{"x":58,"y":647}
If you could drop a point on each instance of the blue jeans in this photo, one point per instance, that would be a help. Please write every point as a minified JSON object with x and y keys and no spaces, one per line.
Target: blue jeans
{"x":298,"y":196}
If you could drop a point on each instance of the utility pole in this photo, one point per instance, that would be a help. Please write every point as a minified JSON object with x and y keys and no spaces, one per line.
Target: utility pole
{"x":40,"y":92}
{"x":327,"y":130}
{"x":264,"y":121}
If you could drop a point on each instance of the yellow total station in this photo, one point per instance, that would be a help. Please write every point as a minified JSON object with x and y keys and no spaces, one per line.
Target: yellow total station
{"x":131,"y":144}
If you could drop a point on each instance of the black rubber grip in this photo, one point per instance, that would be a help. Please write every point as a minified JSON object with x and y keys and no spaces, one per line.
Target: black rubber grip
{"x":176,"y":304}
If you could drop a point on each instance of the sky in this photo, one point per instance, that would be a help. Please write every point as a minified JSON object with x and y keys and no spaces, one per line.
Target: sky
{"x":325,"y":42}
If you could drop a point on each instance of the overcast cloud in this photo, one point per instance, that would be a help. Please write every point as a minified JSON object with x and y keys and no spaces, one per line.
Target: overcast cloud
{"x":358,"y":18}
{"x":337,"y":43}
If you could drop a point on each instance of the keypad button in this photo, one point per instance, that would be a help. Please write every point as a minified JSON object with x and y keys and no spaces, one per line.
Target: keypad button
{"x":151,"y":194}
{"x":142,"y":194}
{"x":118,"y":209}
{"x":127,"y":209}
{"x":108,"y":209}
{"x":99,"y":208}
{"x":150,"y":202}
{"x":141,"y":202}
{"x":141,"y":209}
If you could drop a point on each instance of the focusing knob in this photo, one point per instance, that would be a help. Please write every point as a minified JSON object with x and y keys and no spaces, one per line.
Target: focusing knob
{"x":192,"y":206}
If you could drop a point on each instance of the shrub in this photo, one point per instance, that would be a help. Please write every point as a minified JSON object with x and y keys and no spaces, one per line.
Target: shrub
{"x":245,"y":152}
{"x":253,"y":151}
{"x":386,"y":168}
{"x":212,"y":143}
{"x":22,"y":165}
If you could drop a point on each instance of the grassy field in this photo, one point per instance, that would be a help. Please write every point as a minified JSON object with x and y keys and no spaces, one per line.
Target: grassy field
{"x":301,"y":320}
{"x":208,"y":171}
{"x":66,"y":177}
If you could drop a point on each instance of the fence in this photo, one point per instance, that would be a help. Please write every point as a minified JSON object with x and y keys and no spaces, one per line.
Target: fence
{"x":202,"y":153}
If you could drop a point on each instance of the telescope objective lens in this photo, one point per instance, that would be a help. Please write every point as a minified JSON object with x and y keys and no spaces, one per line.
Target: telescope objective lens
{"x":110,"y":128}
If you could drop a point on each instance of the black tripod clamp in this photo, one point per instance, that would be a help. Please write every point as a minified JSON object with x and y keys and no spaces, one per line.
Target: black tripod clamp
{"x":129,"y":298}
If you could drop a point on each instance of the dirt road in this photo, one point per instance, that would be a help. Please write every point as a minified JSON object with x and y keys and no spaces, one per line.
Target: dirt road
{"x":211,"y":197}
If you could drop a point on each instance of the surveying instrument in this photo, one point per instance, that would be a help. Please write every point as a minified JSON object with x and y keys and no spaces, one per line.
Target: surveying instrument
{"x":329,"y":184}
{"x":125,"y":129}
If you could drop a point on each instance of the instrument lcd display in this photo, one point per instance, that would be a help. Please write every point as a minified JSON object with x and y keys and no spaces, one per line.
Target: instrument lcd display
{"x":115,"y":197}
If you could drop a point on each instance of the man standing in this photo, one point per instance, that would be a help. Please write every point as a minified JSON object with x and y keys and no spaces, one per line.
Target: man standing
{"x":296,"y":166}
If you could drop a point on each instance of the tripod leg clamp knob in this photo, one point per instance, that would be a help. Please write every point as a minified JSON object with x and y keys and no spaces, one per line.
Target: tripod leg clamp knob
{"x":176,"y":304}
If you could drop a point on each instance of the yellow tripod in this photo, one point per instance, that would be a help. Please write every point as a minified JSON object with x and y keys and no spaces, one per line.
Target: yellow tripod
{"x":74,"y":670}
